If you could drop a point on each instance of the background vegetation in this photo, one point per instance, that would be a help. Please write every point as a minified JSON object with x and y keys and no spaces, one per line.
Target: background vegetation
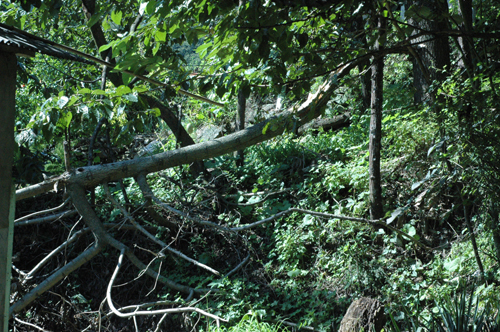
{"x":439,"y":163}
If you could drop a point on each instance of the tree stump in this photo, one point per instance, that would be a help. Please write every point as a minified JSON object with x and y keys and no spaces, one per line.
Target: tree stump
{"x":365,"y":315}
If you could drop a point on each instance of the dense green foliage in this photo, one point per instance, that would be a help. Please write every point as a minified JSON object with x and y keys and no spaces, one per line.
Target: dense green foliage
{"x":439,"y":160}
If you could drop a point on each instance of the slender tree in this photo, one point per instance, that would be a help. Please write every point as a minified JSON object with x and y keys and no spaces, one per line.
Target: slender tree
{"x":377,"y":98}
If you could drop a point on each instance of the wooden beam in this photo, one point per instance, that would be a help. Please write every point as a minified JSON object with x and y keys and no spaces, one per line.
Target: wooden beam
{"x":17,"y":50}
{"x":8,"y":66}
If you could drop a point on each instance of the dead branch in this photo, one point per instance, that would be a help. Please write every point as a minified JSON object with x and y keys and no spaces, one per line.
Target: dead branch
{"x":38,"y":213}
{"x":57,"y":276}
{"x":54,"y":252}
{"x":29,"y":324}
{"x":46,"y":219}
{"x":154,"y":238}
{"x":148,"y":312}
{"x":238,"y":267}
{"x":148,"y":193}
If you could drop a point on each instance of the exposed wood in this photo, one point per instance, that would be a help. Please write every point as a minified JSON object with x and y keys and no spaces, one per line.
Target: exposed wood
{"x":8,"y":66}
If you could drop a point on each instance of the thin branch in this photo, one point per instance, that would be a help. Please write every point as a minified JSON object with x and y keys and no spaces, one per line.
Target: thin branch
{"x":148,"y":193}
{"x":54,"y":252}
{"x":53,"y":279}
{"x":148,"y":312}
{"x":167,"y":282}
{"x":238,"y":267}
{"x":43,"y":212}
{"x":46,"y":219}
{"x":29,"y":324}
{"x":254,"y":203}
{"x":154,"y":238}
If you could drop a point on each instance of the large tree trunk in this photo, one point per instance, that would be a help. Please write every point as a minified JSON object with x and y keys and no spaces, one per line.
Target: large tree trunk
{"x":377,"y":98}
{"x":433,"y":52}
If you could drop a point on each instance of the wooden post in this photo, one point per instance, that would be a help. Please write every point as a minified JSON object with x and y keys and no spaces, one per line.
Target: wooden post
{"x":8,"y":64}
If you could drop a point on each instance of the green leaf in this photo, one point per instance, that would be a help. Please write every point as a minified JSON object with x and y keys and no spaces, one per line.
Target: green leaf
{"x":161,"y":36}
{"x":105,"y":47}
{"x":64,"y":120}
{"x":453,"y":265}
{"x":265,"y":128}
{"x":151,"y":7}
{"x":84,"y":91}
{"x":97,"y":92}
{"x":122,"y":89}
{"x":116,"y":16}
{"x":131,"y":97}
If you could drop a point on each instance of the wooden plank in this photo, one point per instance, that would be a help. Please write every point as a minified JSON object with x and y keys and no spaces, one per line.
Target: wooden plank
{"x":7,"y":116}
{"x":6,"y":241}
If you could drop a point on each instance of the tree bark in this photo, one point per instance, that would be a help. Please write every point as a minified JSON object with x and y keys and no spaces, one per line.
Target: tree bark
{"x":377,"y":98}
{"x":240,"y":124}
{"x":335,"y":123}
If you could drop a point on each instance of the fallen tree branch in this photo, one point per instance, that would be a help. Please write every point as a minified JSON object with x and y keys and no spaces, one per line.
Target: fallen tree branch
{"x":238,"y":267}
{"x":42,"y":212}
{"x":53,"y":279}
{"x":293,"y":117}
{"x":148,"y":193}
{"x":335,"y":123}
{"x":45,"y":219}
{"x":148,"y":312}
{"x":63,"y":245}
{"x":154,"y":238}
{"x":380,"y":222}
{"x":29,"y":324}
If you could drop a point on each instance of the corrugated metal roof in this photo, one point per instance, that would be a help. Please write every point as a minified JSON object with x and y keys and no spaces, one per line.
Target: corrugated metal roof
{"x":11,"y":37}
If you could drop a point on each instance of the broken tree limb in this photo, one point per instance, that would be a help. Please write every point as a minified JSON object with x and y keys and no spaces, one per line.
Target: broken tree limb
{"x":46,"y":218}
{"x":335,"y":123}
{"x":77,"y":194}
{"x":57,"y":276}
{"x":293,"y":117}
